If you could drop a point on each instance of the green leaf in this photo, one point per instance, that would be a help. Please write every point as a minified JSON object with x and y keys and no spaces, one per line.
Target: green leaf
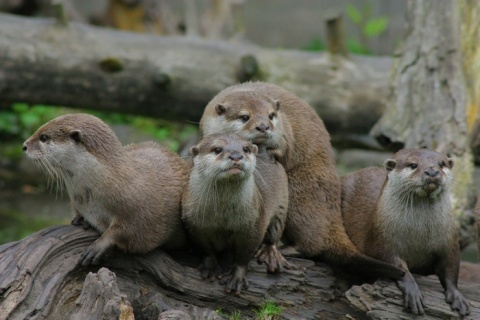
{"x":28,"y":119}
{"x":315,"y":45}
{"x":356,"y":47}
{"x":353,"y":14}
{"x":20,"y":107}
{"x":375,"y":27}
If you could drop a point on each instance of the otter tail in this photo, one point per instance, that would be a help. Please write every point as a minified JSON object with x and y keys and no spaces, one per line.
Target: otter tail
{"x":343,"y":253}
{"x":361,"y":264}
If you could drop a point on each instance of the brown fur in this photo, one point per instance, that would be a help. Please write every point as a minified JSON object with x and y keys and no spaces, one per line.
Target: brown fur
{"x":131,"y":194}
{"x":293,"y":132}
{"x":235,"y":212}
{"x":404,"y":217}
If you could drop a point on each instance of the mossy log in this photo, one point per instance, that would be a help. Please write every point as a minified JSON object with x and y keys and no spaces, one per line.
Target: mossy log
{"x":40,"y":279}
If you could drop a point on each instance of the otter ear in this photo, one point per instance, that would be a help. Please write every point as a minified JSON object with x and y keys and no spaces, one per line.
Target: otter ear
{"x":194,"y":151}
{"x":220,"y":108}
{"x":390,"y":164}
{"x":276,"y":103}
{"x":76,"y":135}
{"x":450,"y":163}
{"x":254,"y":149}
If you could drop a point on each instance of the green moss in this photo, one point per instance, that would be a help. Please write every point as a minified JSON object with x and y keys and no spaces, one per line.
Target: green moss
{"x":111,"y":65}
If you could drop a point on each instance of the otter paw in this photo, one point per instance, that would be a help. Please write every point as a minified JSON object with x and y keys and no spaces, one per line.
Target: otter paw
{"x":457,"y":302}
{"x":80,"y":221}
{"x":209,"y":269}
{"x":275,"y":261}
{"x":413,"y":300}
{"x":236,"y":280}
{"x":77,"y":221}
{"x":92,"y":255}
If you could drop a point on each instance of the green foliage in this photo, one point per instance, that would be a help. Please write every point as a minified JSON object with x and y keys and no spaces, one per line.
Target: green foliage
{"x":353,"y":14}
{"x":369,"y":27}
{"x":375,"y":27}
{"x":315,"y":45}
{"x":21,"y":121}
{"x":268,"y":311}
{"x":235,"y":315}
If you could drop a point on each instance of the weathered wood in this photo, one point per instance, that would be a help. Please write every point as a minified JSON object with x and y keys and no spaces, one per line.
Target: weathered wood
{"x":82,"y":66}
{"x":383,"y":300}
{"x":40,"y":279}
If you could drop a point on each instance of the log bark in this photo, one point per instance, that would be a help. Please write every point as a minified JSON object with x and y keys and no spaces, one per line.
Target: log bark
{"x":82,"y":66}
{"x":40,"y":279}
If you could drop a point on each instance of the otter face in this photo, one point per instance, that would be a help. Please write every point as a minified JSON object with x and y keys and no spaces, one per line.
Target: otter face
{"x":251,"y":115}
{"x":421,"y":171}
{"x":221,"y":157}
{"x":58,"y":149}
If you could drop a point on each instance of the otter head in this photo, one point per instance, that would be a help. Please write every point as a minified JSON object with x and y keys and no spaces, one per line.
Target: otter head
{"x":224,"y":157}
{"x":67,"y":144}
{"x":252,"y":115}
{"x":423,"y":172}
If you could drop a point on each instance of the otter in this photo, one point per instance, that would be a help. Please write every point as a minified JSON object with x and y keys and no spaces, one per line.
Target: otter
{"x":131,"y":195}
{"x":294,"y":134}
{"x":236,"y":200}
{"x":403,"y":215}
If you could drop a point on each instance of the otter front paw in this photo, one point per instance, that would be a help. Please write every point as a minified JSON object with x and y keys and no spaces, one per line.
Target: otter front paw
{"x":80,"y":221}
{"x":275,"y":261}
{"x":93,"y":254}
{"x":457,"y":302}
{"x":412,"y":297}
{"x":236,"y":280}
{"x":209,"y":269}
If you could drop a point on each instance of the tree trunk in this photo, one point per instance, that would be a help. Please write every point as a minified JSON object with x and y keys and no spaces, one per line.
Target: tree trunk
{"x":428,"y":102}
{"x":174,"y":77}
{"x":40,"y":279}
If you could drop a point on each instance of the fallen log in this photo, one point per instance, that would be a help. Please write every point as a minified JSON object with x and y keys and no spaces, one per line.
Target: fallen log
{"x":174,"y":77}
{"x":40,"y":279}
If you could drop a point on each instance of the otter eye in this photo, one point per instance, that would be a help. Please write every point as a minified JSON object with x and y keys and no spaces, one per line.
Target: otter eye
{"x":271,"y":115}
{"x":217,"y":150}
{"x":245,"y":118}
{"x":43,"y":138}
{"x":246,"y":149}
{"x":413,"y":165}
{"x":442,"y":164}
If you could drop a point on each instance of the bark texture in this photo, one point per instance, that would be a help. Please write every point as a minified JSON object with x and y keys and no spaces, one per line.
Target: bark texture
{"x":40,"y":279}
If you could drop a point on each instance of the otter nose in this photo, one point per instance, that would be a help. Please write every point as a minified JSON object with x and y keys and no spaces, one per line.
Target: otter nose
{"x":24,"y":148}
{"x":262,"y":128}
{"x":431,"y":172}
{"x":235,"y":156}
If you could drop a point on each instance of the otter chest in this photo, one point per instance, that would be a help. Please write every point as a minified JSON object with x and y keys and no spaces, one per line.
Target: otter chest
{"x":417,"y":234}
{"x":89,"y":205}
